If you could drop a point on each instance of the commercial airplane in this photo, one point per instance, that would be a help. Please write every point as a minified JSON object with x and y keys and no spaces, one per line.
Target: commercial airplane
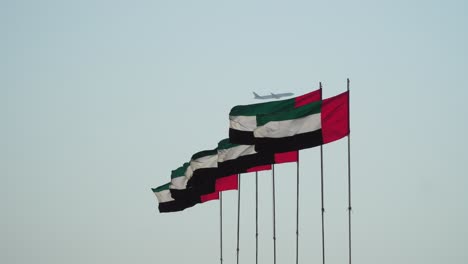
{"x":272,"y":96}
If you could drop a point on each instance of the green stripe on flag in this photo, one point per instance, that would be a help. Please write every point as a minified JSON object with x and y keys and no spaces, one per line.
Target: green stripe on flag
{"x":294,"y":113}
{"x":204,"y":154}
{"x":262,"y":108}
{"x":161,"y":188}
{"x":226,"y":144}
{"x":179,"y":172}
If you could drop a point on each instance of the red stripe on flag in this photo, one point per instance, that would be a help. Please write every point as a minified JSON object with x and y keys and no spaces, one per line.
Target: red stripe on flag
{"x":259,"y":168}
{"x":335,"y":117}
{"x":308,"y":98}
{"x":209,"y":197}
{"x":285,"y":157}
{"x":226,"y":183}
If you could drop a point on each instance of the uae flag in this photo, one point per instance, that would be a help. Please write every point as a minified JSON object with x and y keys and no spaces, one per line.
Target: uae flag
{"x":311,"y":125}
{"x":168,"y":204}
{"x":178,"y":177}
{"x":178,"y":187}
{"x":179,"y":190}
{"x":204,"y":166}
{"x":236,"y":158}
{"x":243,"y":119}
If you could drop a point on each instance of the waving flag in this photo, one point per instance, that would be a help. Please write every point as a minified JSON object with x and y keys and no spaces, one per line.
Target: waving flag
{"x":243,"y":119}
{"x":308,"y":126}
{"x":204,"y":165}
{"x":167,"y":203}
{"x":179,"y":178}
{"x":236,"y":158}
{"x":179,"y":190}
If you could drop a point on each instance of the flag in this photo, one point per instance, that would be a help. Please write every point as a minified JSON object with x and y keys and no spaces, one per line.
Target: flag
{"x":178,"y":177}
{"x":178,"y":187}
{"x":201,"y":177}
{"x":236,"y":158}
{"x":168,"y":204}
{"x":243,"y":117}
{"x":204,"y":166}
{"x":174,"y":196}
{"x":308,"y":126}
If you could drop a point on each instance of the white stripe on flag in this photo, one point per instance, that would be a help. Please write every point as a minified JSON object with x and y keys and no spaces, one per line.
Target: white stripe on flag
{"x":164,"y":196}
{"x":179,"y":183}
{"x":286,"y":128}
{"x":210,"y":161}
{"x":243,"y":123}
{"x":235,"y":152}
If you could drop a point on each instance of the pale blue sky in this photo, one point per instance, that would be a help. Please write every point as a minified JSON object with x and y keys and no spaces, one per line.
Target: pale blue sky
{"x":100,"y":100}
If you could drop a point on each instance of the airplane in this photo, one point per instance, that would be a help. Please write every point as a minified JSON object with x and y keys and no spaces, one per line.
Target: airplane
{"x":272,"y":96}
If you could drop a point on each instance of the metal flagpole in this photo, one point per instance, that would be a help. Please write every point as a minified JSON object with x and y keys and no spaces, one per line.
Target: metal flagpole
{"x":322,"y":200}
{"x":274,"y":216}
{"x":323,"y":208}
{"x":349,"y":178}
{"x":221,"y":226}
{"x":256,"y":217}
{"x":238,"y":214}
{"x":297,"y":210}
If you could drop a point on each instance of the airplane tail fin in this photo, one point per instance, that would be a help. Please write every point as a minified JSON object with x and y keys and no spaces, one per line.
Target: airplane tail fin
{"x":256,"y":96}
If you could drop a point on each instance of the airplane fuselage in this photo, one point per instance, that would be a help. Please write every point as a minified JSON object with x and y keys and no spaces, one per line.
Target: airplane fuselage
{"x":272,"y":96}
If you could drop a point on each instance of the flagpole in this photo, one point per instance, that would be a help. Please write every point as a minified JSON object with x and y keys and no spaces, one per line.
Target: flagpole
{"x":256,"y":217}
{"x":349,"y":179}
{"x":322,"y":199}
{"x":323,"y":208}
{"x":274,"y":215}
{"x":238,"y":214}
{"x":221,"y":226}
{"x":297,"y":210}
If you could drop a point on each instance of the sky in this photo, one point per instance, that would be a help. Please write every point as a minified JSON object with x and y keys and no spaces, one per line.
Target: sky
{"x":100,"y":100}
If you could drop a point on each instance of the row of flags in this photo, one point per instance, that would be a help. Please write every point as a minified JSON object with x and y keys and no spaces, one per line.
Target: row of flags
{"x":259,"y":135}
